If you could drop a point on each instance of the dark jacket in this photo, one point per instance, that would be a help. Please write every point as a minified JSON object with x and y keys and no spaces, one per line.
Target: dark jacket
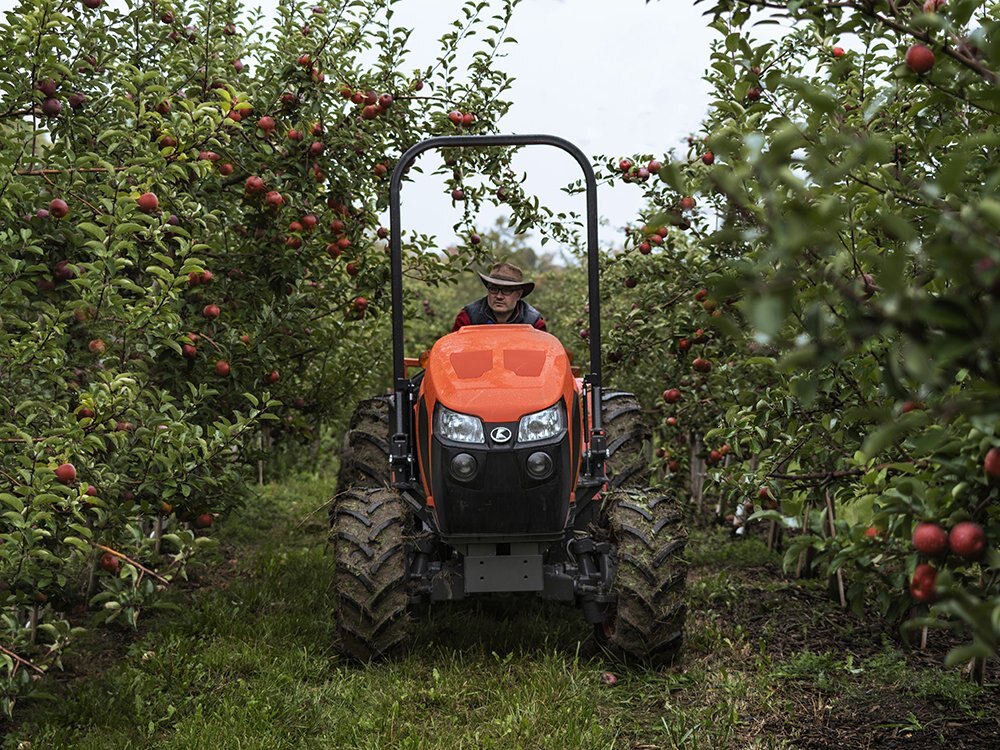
{"x":478,"y":313}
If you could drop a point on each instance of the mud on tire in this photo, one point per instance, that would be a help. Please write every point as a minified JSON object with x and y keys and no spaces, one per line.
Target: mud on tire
{"x":368,"y":533}
{"x":364,"y":460}
{"x":630,"y":447}
{"x":648,"y":622}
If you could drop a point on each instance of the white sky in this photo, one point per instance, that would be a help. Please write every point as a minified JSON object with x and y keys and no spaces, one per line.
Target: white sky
{"x":615,"y":77}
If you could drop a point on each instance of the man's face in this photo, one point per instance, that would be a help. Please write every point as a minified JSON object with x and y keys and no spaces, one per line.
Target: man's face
{"x":502,"y":300}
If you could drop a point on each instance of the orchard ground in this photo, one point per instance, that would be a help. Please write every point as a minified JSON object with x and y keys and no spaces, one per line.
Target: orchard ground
{"x":245,"y":658}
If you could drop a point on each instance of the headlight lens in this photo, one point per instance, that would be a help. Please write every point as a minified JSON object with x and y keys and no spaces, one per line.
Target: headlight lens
{"x":460,"y":428}
{"x":542,"y":424}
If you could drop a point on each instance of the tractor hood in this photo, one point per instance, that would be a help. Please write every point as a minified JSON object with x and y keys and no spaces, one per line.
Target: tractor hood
{"x":498,"y":373}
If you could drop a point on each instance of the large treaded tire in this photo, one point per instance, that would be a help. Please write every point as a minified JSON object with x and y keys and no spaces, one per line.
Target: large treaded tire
{"x":649,"y":539}
{"x":368,"y":532}
{"x":630,"y":446}
{"x":364,"y":460}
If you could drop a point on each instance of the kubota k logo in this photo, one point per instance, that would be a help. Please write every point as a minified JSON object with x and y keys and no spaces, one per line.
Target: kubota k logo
{"x":500,"y":435}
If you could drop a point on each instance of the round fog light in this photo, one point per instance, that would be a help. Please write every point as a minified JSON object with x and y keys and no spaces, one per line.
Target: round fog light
{"x":539,"y":464}
{"x":463,"y":467}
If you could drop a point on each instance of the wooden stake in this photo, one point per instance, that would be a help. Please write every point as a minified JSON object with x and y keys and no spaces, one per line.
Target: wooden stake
{"x":832,"y":527}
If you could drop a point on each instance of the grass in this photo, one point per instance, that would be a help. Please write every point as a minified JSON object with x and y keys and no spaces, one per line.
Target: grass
{"x":246,"y":661}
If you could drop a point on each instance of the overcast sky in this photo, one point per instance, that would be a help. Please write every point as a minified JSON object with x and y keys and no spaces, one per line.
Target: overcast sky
{"x":614,"y":77}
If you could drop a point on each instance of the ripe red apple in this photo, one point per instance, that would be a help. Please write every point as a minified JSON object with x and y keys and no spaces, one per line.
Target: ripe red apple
{"x":295,"y":226}
{"x":211,"y":311}
{"x":148,"y":202}
{"x":272,"y":377}
{"x":203,"y":521}
{"x":708,"y":158}
{"x":66,"y":473}
{"x":245,"y":339}
{"x":77,"y":100}
{"x":343,"y":243}
{"x":97,"y":346}
{"x":123,"y":426}
{"x":967,"y":539}
{"x":919,"y":58}
{"x":85,"y":413}
{"x":254,"y":184}
{"x":671,"y":421}
{"x":309,"y":222}
{"x":385,"y":101}
{"x":222,"y":368}
{"x":305,"y":60}
{"x":673,"y":465}
{"x":189,"y":351}
{"x":316,"y":148}
{"x":370,"y":112}
{"x":625,"y":165}
{"x":686,"y":203}
{"x":360,"y":304}
{"x":645,"y":248}
{"x":871,"y":532}
{"x":226,"y":169}
{"x":47,"y":86}
{"x":930,"y":539}
{"x":51,"y":107}
{"x":838,"y":52}
{"x":468,"y":118}
{"x":110,"y":563}
{"x":455,"y":116}
{"x":714,"y":457}
{"x":58,"y":208}
{"x":458,"y":194}
{"x":274,"y":199}
{"x":91,"y":491}
{"x":672,"y":395}
{"x":380,"y":170}
{"x":267,"y":124}
{"x":753,"y":93}
{"x":654,"y":166}
{"x":352,"y":269}
{"x":923,"y":583}
{"x":293,"y":242}
{"x":992,"y":463}
{"x":701,"y":365}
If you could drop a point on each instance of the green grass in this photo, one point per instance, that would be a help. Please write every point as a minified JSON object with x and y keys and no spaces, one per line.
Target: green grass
{"x":246,"y":661}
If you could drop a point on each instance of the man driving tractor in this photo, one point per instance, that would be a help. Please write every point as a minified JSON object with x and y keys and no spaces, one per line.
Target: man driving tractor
{"x":504,"y":302}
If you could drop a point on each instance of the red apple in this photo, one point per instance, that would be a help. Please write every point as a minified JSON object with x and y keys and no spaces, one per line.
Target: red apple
{"x":97,"y":346}
{"x":923,"y":583}
{"x":204,"y":521}
{"x":309,"y":222}
{"x":458,"y":194}
{"x":967,"y":539}
{"x":455,"y":116}
{"x":294,"y":135}
{"x":708,"y":158}
{"x":871,"y":532}
{"x":51,"y":107}
{"x":686,"y":203}
{"x":838,"y":52}
{"x":673,"y":465}
{"x":110,"y":563}
{"x":316,"y":148}
{"x":211,"y":311}
{"x":254,"y":184}
{"x":919,"y":58}
{"x":272,"y":377}
{"x":360,"y":304}
{"x":672,"y":395}
{"x":930,"y":539}
{"x":274,"y":199}
{"x":85,"y":413}
{"x":992,"y":463}
{"x":58,"y":208}
{"x":66,"y":473}
{"x":267,"y":124}
{"x":148,"y":202}
{"x":91,"y":491}
{"x":226,"y":169}
{"x":189,"y":351}
{"x":222,"y":368}
{"x":701,"y":365}
{"x":77,"y":100}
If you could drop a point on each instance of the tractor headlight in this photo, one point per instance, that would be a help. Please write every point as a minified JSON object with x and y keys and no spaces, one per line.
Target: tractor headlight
{"x":542,"y":424}
{"x":460,"y":428}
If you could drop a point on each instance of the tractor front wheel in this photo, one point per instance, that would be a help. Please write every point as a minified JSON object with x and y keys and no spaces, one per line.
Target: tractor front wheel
{"x":368,"y":531}
{"x":647,"y":623}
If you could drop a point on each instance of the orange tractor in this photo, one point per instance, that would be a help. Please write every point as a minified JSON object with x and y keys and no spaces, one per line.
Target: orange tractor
{"x":499,"y":470}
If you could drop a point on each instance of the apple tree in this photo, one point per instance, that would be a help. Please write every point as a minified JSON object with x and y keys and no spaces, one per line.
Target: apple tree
{"x":848,"y":234}
{"x":192,"y":267}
